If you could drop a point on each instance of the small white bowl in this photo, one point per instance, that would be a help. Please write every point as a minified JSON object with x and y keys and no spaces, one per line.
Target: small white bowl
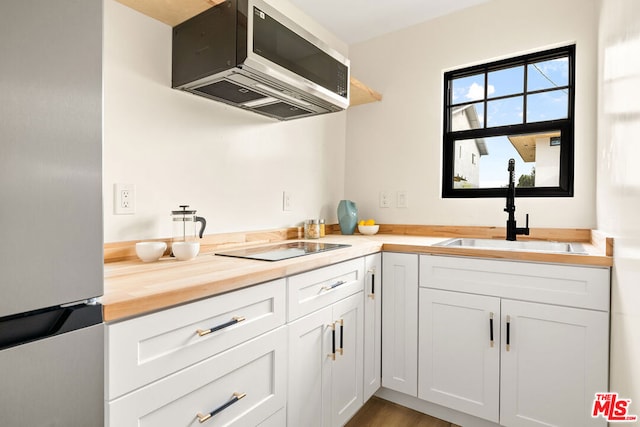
{"x":150,"y":251}
{"x":368,"y":229}
{"x":185,"y":251}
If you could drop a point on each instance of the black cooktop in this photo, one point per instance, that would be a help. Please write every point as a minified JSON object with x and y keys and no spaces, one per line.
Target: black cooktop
{"x":282,"y":251}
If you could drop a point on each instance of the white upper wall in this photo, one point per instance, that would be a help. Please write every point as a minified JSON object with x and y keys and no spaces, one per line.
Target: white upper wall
{"x":177,"y":148}
{"x":396,"y":144}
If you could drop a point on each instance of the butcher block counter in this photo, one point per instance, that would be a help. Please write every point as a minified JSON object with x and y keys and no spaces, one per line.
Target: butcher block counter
{"x":133,"y":287}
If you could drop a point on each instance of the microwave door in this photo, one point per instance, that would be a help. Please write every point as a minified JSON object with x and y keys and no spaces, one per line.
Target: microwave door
{"x":276,"y":45}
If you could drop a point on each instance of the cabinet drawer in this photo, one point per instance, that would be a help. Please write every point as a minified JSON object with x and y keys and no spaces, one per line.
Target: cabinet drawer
{"x":147,"y":348}
{"x":319,"y":288}
{"x":255,"y":369}
{"x":583,"y":287}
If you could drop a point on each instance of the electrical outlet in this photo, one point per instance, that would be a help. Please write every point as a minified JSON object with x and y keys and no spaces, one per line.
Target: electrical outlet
{"x":385,"y":199}
{"x":401,"y":199}
{"x":287,"y":201}
{"x":124,"y":202}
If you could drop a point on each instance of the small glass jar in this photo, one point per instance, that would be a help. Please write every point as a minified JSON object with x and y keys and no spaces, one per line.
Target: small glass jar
{"x":312,"y":229}
{"x":322,"y":228}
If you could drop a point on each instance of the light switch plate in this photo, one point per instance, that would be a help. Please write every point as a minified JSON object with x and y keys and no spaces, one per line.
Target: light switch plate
{"x":401,"y":199}
{"x":287,"y":201}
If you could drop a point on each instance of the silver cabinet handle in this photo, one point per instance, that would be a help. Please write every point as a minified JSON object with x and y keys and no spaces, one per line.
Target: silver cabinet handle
{"x":335,"y":285}
{"x":233,"y":321}
{"x":372,"y":295}
{"x":204,"y":417}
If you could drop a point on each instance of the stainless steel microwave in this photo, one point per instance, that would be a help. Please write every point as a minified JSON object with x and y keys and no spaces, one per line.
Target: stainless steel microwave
{"x":248,"y":54}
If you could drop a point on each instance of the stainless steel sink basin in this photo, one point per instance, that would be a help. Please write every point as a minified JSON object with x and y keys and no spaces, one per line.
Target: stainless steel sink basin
{"x":518,"y":245}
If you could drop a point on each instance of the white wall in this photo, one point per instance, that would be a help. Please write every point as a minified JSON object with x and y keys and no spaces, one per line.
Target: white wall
{"x":396,"y":144}
{"x":618,"y":191}
{"x":177,"y":148}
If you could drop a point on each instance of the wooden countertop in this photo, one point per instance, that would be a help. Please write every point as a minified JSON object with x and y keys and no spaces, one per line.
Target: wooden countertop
{"x":133,"y":287}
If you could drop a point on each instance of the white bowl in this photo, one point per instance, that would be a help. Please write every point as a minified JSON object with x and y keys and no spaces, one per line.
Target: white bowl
{"x":185,"y":251}
{"x":150,"y":251}
{"x":368,"y":229}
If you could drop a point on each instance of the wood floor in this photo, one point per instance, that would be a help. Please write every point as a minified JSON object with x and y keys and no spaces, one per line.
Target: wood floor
{"x":382,"y":413}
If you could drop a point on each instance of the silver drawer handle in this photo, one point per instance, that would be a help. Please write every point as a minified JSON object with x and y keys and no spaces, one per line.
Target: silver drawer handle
{"x":204,"y":417}
{"x":233,"y":321}
{"x":335,"y":285}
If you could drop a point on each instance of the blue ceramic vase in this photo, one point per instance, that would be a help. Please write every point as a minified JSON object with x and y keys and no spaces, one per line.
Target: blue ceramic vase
{"x":347,"y":216}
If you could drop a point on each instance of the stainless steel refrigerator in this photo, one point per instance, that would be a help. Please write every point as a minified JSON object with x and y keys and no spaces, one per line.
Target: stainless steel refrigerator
{"x":51,"y":267}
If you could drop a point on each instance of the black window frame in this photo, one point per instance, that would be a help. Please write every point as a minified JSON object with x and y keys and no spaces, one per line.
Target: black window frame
{"x":565,"y":126}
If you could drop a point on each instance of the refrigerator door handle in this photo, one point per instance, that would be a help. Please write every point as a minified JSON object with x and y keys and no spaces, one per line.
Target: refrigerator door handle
{"x":22,"y":328}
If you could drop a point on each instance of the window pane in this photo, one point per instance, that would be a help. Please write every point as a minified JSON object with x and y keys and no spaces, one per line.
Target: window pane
{"x":548,"y":74}
{"x":504,"y":111}
{"x":467,"y":89}
{"x":506,"y":82}
{"x":482,"y":162}
{"x":467,"y":162}
{"x":467,"y":117}
{"x":548,"y":106}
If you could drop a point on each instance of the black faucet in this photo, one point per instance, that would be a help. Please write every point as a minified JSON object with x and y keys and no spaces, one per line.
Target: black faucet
{"x":512,"y":230}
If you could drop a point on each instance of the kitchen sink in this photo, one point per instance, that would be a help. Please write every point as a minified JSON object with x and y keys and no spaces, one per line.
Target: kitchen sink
{"x":517,"y":245}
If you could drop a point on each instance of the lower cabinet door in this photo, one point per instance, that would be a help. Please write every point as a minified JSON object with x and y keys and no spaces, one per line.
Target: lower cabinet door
{"x":555,"y":363}
{"x":240,"y":387}
{"x":346,"y":370}
{"x":325,"y":369}
{"x":459,"y":352}
{"x":310,"y":359}
{"x":372,"y":325}
{"x":400,"y":322}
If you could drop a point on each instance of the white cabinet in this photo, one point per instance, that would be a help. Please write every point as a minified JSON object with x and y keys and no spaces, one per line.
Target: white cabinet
{"x":240,"y":387}
{"x":400,"y":322}
{"x":326,"y":315}
{"x":556,"y":362}
{"x":346,"y":372}
{"x":325,"y":365}
{"x":460,"y":351}
{"x":549,"y":352}
{"x":165,"y":367}
{"x":146,"y":348}
{"x":318,"y":288}
{"x":228,"y":356}
{"x":372,"y":324}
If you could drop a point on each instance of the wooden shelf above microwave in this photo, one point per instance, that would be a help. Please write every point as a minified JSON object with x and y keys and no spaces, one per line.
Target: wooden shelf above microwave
{"x":174,"y":12}
{"x":361,"y":93}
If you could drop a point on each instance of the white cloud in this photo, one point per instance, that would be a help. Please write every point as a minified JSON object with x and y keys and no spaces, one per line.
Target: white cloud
{"x":477,"y":92}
